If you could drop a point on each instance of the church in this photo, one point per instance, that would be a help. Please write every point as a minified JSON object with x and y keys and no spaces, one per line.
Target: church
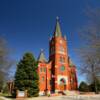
{"x":58,"y":74}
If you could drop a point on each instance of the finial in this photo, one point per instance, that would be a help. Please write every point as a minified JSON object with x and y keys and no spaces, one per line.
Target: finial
{"x":65,"y":37}
{"x":49,"y":36}
{"x":57,"y":18}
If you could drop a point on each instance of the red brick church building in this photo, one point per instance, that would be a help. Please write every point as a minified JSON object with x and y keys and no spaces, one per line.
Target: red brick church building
{"x":58,"y":73}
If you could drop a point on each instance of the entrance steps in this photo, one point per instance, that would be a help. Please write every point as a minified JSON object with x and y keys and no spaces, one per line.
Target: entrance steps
{"x":72,"y":92}
{"x":65,"y":93}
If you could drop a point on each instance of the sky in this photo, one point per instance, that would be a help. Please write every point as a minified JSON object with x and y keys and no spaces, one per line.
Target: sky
{"x":28,"y":24}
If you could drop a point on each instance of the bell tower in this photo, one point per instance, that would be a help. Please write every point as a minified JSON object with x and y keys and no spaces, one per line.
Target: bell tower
{"x":58,"y":55}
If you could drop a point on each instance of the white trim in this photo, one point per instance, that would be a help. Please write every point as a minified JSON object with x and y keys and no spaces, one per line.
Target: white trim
{"x":61,"y":52}
{"x":38,"y":65}
{"x":56,"y":91}
{"x":41,"y":93}
{"x":55,"y":66}
{"x":49,"y":92}
{"x":61,"y":41}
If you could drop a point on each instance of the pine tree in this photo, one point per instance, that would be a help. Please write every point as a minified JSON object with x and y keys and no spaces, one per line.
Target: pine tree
{"x":26,"y":76}
{"x":83,"y":87}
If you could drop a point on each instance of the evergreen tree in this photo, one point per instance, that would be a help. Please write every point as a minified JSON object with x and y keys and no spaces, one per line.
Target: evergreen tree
{"x":26,"y":76}
{"x":83,"y":87}
{"x":92,"y":86}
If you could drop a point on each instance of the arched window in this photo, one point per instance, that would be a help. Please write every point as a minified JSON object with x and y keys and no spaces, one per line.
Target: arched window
{"x":62,"y":81}
{"x":62,"y":59}
{"x":61,"y":49}
{"x":44,"y":69}
{"x":41,"y":69}
{"x":43,"y":78}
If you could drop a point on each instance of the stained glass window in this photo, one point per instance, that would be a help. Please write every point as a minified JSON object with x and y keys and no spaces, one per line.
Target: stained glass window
{"x":62,"y":68}
{"x":40,"y":69}
{"x":43,"y":78}
{"x":44,"y":69}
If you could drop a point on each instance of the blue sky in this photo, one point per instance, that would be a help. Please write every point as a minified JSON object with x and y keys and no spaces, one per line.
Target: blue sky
{"x":27,"y":24}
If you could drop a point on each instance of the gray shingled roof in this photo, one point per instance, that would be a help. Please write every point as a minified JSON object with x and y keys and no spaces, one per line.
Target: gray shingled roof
{"x":70,"y":62}
{"x":41,"y":57}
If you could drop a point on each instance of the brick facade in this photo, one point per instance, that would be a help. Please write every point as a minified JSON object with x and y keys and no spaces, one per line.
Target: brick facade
{"x":57,"y":74}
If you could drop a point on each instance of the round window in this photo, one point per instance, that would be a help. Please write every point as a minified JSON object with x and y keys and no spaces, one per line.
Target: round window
{"x":62,"y":68}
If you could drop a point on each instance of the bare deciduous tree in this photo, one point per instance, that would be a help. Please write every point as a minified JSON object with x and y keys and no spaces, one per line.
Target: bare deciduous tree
{"x":5,"y":61}
{"x":90,"y":52}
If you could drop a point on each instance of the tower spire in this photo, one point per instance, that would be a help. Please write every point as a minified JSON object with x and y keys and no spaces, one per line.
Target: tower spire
{"x":57,"y":31}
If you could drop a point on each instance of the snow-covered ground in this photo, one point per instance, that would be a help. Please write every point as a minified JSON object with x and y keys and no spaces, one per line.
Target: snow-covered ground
{"x":75,"y":97}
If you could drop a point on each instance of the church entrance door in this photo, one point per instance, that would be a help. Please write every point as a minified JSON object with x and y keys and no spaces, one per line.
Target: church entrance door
{"x":62,"y":84}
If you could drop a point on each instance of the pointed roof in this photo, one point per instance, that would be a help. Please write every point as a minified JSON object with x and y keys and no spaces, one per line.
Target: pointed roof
{"x":57,"y":31}
{"x":65,"y":37}
{"x":41,"y":57}
{"x":70,"y":62}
